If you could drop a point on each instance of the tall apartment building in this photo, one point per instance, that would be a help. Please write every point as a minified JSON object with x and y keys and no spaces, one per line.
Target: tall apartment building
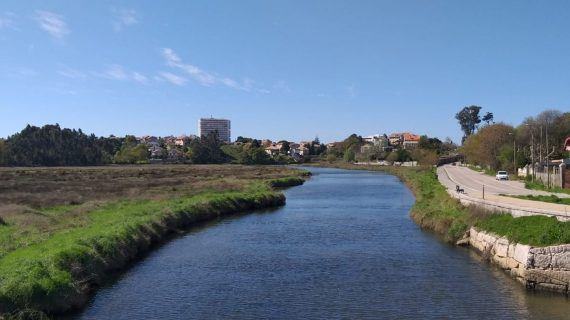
{"x":222,"y":126}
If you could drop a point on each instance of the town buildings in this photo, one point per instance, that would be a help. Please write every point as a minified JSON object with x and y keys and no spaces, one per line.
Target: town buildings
{"x":396,"y":139}
{"x":379,"y":140}
{"x":211,"y":125}
{"x":405,"y":139}
{"x":411,"y":141}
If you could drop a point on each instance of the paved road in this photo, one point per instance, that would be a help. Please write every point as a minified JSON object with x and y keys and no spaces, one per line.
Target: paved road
{"x":473,"y":182}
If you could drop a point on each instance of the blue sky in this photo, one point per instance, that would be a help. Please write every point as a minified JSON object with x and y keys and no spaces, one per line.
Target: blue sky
{"x":279,"y":69}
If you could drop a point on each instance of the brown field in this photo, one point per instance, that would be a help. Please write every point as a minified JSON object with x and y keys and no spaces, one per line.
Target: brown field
{"x":26,"y":192}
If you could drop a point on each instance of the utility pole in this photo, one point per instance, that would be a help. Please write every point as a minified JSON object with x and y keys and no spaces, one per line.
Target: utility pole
{"x":547,"y":164}
{"x":540,"y":147}
{"x":532,"y":151}
{"x":515,"y":156}
{"x":531,"y":128}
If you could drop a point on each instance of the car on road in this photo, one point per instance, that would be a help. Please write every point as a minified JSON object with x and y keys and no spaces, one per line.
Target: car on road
{"x":502,"y":175}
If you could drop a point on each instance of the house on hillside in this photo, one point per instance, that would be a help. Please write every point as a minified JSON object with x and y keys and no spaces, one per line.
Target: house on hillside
{"x":169,"y":140}
{"x":294,"y":148}
{"x":567,"y":144}
{"x":266,"y":143}
{"x":273,"y":150}
{"x":298,"y":151}
{"x":183,"y":140}
{"x":396,"y":139}
{"x":156,"y":152}
{"x":370,"y":139}
{"x":411,"y":141}
{"x":366,"y":148}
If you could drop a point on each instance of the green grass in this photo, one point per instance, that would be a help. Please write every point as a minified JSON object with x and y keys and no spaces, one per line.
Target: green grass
{"x":286,"y":182}
{"x":486,"y":171}
{"x":532,"y":230}
{"x":550,"y":199}
{"x":539,"y":186}
{"x":54,"y":272}
{"x":434,"y":208}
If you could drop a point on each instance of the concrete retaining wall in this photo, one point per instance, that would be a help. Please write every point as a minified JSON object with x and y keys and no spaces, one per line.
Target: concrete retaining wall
{"x":543,"y":268}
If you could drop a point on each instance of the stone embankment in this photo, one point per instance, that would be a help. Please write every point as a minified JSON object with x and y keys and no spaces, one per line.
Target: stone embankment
{"x":542,"y":268}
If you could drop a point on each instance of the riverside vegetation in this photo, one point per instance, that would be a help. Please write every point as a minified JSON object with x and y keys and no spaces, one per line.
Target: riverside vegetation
{"x":435,"y":210}
{"x":63,"y":230}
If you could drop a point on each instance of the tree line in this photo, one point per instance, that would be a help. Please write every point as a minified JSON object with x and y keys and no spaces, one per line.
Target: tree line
{"x":52,"y":145}
{"x":503,"y":146}
{"x":427,"y":151}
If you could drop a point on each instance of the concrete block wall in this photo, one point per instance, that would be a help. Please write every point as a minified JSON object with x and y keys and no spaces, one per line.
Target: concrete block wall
{"x":542,"y":268}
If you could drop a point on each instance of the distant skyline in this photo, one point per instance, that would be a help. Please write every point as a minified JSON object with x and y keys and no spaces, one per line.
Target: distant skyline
{"x":279,"y":69}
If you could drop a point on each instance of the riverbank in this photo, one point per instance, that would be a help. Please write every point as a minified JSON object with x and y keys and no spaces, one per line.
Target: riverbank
{"x":53,"y":258}
{"x":435,"y":210}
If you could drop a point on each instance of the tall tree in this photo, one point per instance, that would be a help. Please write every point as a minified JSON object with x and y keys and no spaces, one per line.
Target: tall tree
{"x":285,"y":146}
{"x":430,"y":144}
{"x":488,"y":117}
{"x":484,"y":147}
{"x":3,"y":153}
{"x":468,"y":119}
{"x":207,"y":149}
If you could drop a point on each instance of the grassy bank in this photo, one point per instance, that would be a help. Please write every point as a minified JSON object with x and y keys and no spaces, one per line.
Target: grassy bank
{"x":539,"y":186}
{"x":286,"y":182}
{"x":435,"y":210}
{"x":550,"y":199}
{"x":52,"y":263}
{"x":533,"y":230}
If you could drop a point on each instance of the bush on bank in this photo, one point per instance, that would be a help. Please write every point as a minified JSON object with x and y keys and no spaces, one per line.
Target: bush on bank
{"x":286,"y":182}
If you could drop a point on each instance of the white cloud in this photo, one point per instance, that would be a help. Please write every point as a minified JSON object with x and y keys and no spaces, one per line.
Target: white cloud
{"x":139,"y":78}
{"x":124,"y":18}
{"x":172,"y":78}
{"x":7,"y":20}
{"x":118,"y":72}
{"x":282,"y":86}
{"x":71,"y":73}
{"x":52,"y":23}
{"x":203,"y":77}
{"x":21,"y":72}
{"x":115,"y":72}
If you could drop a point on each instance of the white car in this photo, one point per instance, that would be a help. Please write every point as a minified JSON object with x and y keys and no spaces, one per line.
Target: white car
{"x":502,"y":175}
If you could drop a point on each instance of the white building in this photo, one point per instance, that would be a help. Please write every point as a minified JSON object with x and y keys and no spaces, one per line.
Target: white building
{"x":221,"y":126}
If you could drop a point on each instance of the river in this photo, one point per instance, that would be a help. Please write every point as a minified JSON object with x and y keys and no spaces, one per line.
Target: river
{"x":343,"y":247}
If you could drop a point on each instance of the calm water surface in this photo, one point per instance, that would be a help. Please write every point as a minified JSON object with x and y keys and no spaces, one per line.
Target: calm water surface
{"x":343,"y":247}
